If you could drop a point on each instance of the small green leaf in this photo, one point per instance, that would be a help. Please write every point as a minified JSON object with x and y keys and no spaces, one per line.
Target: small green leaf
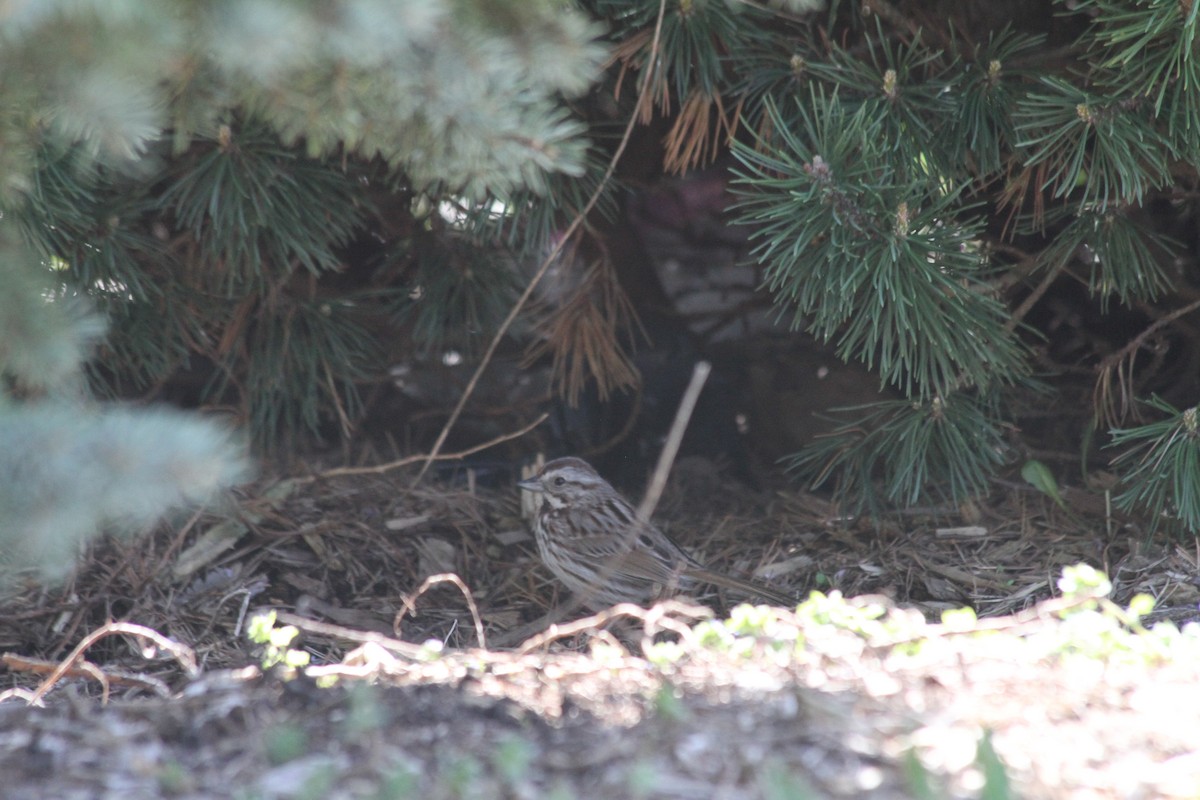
{"x":959,"y":619}
{"x":1084,"y":580}
{"x":297,"y":659}
{"x":1141,"y":604}
{"x":282,"y":637}
{"x":1039,"y":477}
{"x":259,"y":629}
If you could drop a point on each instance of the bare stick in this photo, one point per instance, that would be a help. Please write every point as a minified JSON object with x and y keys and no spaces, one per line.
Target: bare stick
{"x":660,"y":617}
{"x":391,"y":465}
{"x":38,"y":666}
{"x":397,"y":646}
{"x":1133,"y":346}
{"x":666,"y":458}
{"x":22,"y":694}
{"x":183,"y":654}
{"x":1034,"y":296}
{"x":650,"y":69}
{"x":433,"y":580}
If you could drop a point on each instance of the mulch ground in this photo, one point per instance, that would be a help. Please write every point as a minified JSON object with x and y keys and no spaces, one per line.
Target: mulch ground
{"x":585,"y":715}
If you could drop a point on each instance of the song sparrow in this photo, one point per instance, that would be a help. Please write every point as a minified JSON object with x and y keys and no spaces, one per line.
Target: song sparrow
{"x":591,"y":539}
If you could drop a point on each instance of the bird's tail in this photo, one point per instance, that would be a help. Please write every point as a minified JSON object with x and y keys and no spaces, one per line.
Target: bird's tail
{"x":751,"y":588}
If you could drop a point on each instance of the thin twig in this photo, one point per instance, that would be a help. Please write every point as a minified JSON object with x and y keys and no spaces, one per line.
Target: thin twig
{"x":431,"y":581}
{"x":654,"y":618}
{"x":1034,"y":296}
{"x":381,"y":468}
{"x":1136,"y":343}
{"x":1122,"y":362}
{"x":22,"y":694}
{"x":106,"y":678}
{"x":658,"y":481}
{"x":398,"y":646}
{"x":182,"y":653}
{"x":552,"y":256}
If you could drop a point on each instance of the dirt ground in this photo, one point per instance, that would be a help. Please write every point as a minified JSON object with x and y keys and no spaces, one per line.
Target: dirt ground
{"x":595,"y":712}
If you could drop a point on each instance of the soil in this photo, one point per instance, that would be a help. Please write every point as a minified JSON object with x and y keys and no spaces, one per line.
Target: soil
{"x":585,"y":712}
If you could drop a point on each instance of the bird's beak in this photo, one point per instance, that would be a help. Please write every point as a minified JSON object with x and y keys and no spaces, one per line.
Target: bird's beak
{"x":531,"y":484}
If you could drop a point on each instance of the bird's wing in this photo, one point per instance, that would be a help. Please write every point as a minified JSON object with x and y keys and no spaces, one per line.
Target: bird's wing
{"x":641,"y":556}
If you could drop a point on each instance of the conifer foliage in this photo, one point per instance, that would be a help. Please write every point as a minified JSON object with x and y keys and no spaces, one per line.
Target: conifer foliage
{"x":178,"y":180}
{"x":263,"y":195}
{"x":917,"y":176}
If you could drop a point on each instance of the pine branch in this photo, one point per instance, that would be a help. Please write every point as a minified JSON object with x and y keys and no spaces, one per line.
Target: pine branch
{"x":900,"y":452}
{"x":882,"y":262}
{"x":583,"y":334}
{"x":1160,"y":469}
{"x":71,"y":472}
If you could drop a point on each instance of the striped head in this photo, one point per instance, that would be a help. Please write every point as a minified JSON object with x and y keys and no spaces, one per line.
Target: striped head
{"x":567,"y":482}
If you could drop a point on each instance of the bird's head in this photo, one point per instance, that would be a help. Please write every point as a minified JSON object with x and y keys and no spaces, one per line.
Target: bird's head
{"x":567,"y":481}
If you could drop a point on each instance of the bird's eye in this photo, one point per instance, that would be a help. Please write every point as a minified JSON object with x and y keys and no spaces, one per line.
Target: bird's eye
{"x":560,"y":481}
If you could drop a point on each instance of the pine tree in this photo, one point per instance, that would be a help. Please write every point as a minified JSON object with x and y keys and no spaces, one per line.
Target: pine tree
{"x":917,"y":175}
{"x":261,"y":194}
{"x":189,"y":175}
